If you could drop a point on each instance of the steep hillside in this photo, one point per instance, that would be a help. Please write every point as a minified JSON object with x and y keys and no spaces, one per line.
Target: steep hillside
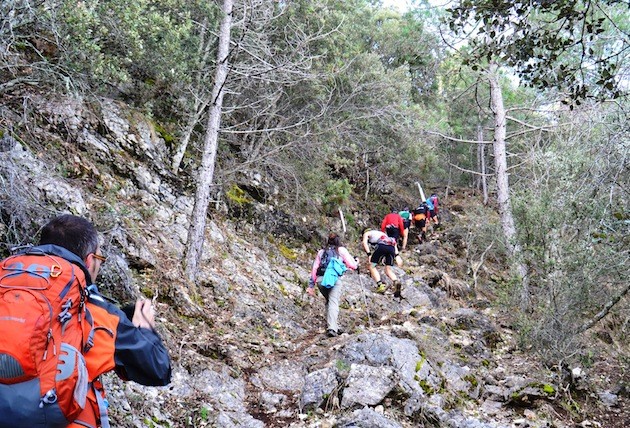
{"x":250,"y":350}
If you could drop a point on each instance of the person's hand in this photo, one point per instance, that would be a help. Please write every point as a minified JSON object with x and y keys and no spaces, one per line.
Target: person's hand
{"x":311,"y":291}
{"x":144,"y":314}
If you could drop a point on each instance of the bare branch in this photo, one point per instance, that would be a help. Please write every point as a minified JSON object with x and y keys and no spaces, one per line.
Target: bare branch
{"x":605,"y":310}
{"x":457,"y":140}
{"x":470,"y":171}
{"x":7,"y":86}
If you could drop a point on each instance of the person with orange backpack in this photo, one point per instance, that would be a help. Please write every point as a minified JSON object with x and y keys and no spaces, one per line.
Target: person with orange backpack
{"x":420,"y":217}
{"x":58,"y":335}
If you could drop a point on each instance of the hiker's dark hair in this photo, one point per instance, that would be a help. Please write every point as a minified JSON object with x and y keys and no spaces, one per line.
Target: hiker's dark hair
{"x":333,"y":239}
{"x":73,"y":233}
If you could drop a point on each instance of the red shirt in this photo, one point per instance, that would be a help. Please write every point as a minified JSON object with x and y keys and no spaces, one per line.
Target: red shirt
{"x":393,"y":219}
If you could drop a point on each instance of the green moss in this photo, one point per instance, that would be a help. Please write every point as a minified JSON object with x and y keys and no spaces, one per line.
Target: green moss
{"x":168,"y":137}
{"x":287,"y":252}
{"x":571,"y":406}
{"x":472,"y":380}
{"x":420,"y":363}
{"x":283,"y":290}
{"x":548,"y":389}
{"x":204,"y":413}
{"x":147,"y":292}
{"x":342,"y":366}
{"x":619,"y":215}
{"x":426,"y":387}
{"x":237,"y":195}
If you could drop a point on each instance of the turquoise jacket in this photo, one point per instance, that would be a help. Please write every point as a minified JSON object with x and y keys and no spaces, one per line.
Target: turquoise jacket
{"x":334,"y":270}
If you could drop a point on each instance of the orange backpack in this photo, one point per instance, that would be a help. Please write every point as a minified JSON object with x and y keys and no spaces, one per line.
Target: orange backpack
{"x":44,"y":330}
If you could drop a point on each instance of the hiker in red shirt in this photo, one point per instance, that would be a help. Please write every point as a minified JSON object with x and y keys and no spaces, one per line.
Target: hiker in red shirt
{"x":393,"y":224}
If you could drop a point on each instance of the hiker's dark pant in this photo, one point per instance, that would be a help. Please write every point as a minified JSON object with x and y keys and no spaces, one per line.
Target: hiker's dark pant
{"x":332,"y":296}
{"x":386,"y":253}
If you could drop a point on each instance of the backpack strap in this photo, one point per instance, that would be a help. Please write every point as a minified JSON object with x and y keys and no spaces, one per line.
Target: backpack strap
{"x":56,"y":250}
{"x":102,"y":407}
{"x":90,"y":338}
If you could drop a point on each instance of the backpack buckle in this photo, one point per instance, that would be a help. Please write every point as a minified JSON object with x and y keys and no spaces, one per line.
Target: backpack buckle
{"x":55,"y":271}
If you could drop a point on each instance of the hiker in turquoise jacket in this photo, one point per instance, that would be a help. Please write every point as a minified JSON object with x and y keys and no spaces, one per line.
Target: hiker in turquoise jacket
{"x":329,"y":281}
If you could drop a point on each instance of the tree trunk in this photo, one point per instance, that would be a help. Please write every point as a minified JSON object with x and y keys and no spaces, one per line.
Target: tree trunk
{"x":178,"y":155}
{"x":200,"y":102}
{"x":194,"y":244}
{"x":482,"y":164}
{"x":503,"y":189}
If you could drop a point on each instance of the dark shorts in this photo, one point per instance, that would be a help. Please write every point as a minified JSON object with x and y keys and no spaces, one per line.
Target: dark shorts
{"x":384,"y":253}
{"x":392,"y":232}
{"x":432,"y":213}
{"x":420,"y":223}
{"x":407,"y":223}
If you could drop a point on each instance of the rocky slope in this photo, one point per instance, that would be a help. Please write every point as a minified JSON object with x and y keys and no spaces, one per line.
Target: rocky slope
{"x":250,"y":350}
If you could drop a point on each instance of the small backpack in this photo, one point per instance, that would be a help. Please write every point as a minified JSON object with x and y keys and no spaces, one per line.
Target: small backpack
{"x":44,"y":329}
{"x":329,"y":253}
{"x":387,"y":240}
{"x":420,"y":213}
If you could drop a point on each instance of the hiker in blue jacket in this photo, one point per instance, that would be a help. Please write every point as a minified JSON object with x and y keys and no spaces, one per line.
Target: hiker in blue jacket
{"x":337,"y":259}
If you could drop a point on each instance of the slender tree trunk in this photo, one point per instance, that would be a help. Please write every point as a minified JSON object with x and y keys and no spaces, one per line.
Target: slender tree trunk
{"x":194,"y":244}
{"x":190,"y":126}
{"x":482,"y":164}
{"x":503,"y":189}
{"x":200,"y":103}
{"x":367,"y":176}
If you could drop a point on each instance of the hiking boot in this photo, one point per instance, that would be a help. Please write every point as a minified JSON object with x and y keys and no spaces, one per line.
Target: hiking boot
{"x":397,"y":289}
{"x":381,"y":288}
{"x":331,"y":333}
